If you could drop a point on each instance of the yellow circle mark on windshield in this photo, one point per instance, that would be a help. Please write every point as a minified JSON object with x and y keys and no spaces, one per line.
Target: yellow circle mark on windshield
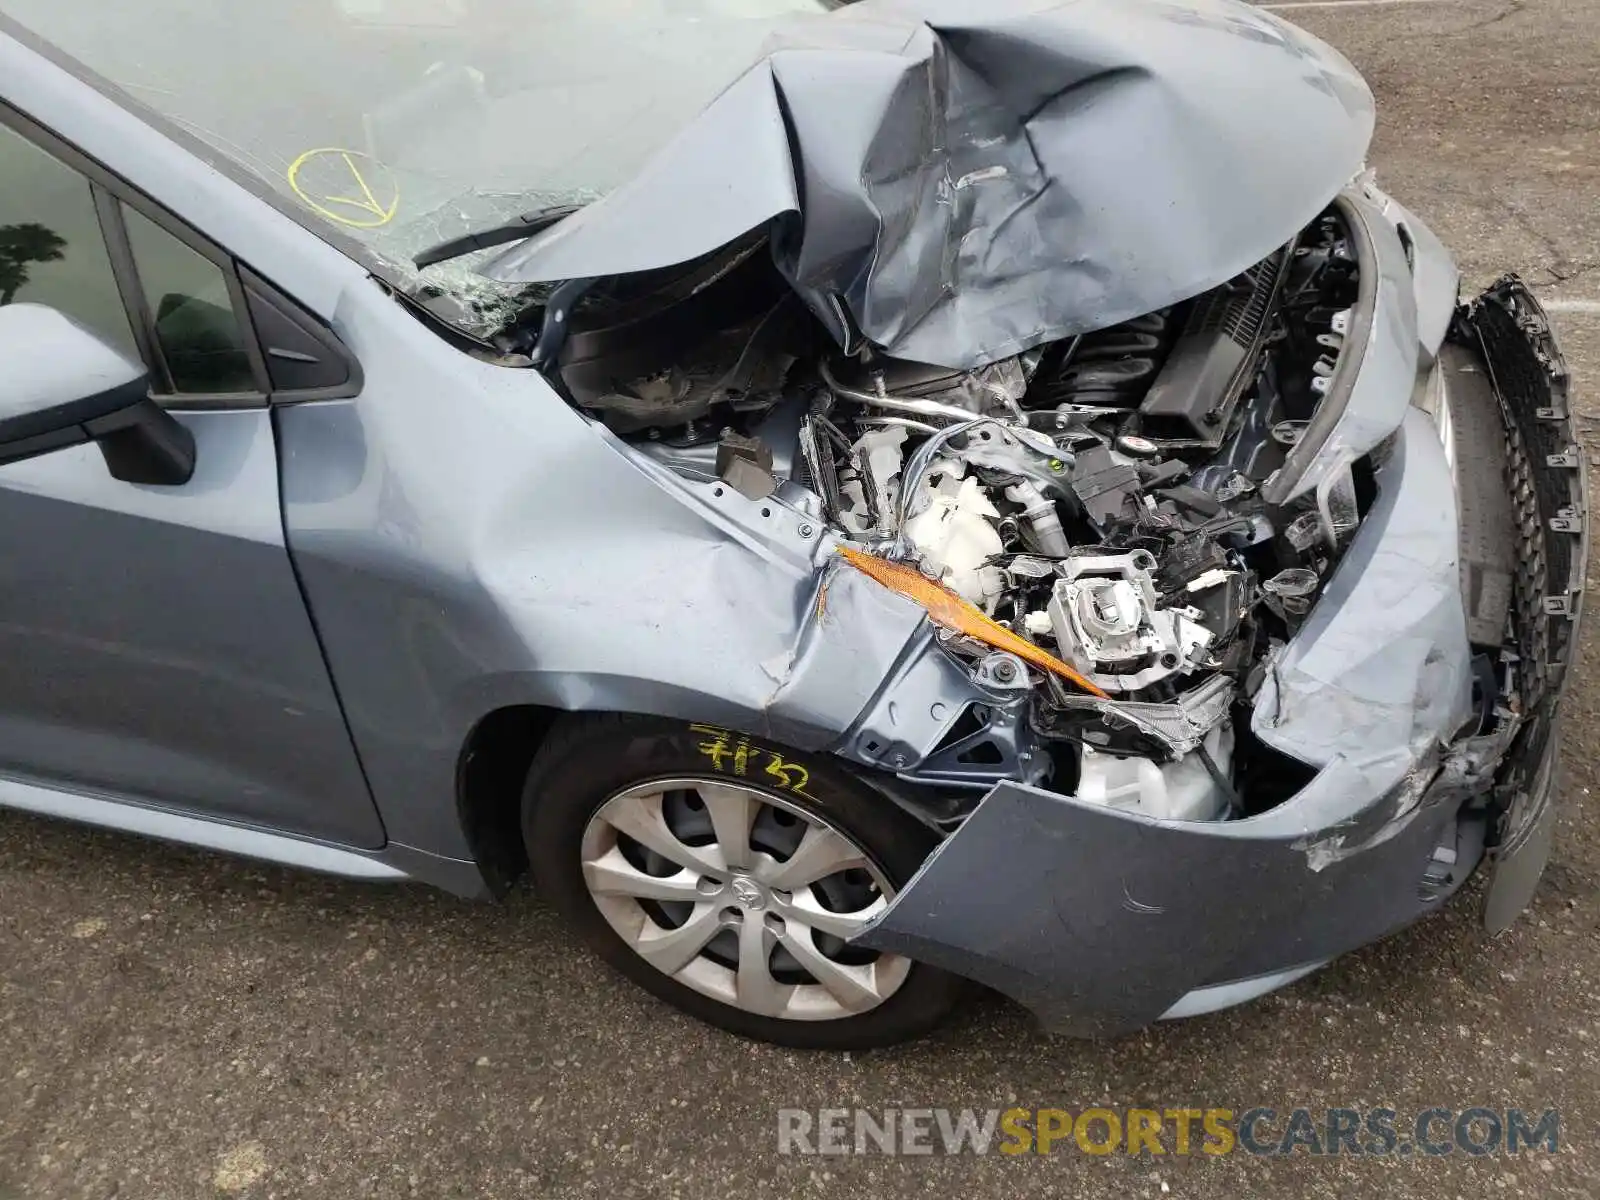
{"x":346,"y":186}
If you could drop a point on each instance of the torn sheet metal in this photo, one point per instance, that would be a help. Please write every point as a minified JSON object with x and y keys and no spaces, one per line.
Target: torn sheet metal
{"x":698,"y":604}
{"x":1110,"y":917}
{"x":1382,"y":665}
{"x":962,"y":183}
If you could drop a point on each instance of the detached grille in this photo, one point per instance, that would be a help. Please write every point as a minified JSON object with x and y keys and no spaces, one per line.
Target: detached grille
{"x":1546,"y":466}
{"x":1547,"y":480}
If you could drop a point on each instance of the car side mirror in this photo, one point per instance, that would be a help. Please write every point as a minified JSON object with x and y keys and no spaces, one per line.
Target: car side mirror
{"x":60,"y":386}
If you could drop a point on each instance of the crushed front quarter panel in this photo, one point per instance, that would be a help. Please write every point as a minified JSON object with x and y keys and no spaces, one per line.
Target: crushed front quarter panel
{"x":518,"y":554}
{"x":1382,"y":665}
{"x":960,"y":183}
{"x":1101,"y":920}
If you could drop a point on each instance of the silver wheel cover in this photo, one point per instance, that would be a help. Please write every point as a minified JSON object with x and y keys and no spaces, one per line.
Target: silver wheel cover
{"x":724,"y":915}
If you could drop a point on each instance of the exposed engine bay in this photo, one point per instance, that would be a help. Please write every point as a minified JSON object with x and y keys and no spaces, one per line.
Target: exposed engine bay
{"x":1094,"y":506}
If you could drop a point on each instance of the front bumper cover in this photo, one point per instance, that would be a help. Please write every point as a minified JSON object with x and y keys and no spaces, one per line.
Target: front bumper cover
{"x":1102,"y":921}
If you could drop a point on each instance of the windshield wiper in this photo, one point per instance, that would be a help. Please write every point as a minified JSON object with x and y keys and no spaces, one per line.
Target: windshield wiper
{"x":516,"y":230}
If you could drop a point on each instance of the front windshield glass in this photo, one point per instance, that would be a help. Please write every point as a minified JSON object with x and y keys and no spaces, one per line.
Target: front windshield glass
{"x":402,"y":123}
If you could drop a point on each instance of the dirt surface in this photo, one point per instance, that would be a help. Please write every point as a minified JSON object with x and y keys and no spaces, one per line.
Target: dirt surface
{"x":174,"y":1024}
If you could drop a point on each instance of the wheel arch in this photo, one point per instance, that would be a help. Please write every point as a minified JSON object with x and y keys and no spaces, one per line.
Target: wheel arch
{"x":490,"y":774}
{"x":500,"y":751}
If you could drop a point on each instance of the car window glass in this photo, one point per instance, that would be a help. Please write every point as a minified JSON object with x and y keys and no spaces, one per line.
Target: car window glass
{"x":187,"y":295}
{"x":51,"y":249}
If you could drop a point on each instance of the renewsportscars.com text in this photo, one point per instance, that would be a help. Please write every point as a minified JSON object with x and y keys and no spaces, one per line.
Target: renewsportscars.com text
{"x":1373,"y":1132}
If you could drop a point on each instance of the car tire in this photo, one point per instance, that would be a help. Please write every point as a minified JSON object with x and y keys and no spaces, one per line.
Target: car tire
{"x":592,"y":768}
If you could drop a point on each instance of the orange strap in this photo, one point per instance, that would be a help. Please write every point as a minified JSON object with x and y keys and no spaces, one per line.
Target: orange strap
{"x":952,"y":612}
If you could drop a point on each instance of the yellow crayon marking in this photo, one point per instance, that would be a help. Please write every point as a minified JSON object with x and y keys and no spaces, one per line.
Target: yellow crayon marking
{"x":790,"y":776}
{"x":331,"y":171}
{"x":720,"y":748}
{"x":733,"y":751}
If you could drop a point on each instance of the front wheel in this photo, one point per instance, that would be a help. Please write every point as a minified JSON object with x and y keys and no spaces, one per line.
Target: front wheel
{"x":726,"y":875}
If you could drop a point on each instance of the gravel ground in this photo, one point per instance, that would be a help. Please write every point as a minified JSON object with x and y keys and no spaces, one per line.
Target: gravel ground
{"x":179,"y":1025}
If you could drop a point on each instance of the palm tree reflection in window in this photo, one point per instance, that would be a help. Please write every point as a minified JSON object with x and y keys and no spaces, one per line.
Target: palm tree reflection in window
{"x":23,"y":244}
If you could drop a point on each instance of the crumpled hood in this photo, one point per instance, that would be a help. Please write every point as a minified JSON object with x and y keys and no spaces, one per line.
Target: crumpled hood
{"x":962,"y":181}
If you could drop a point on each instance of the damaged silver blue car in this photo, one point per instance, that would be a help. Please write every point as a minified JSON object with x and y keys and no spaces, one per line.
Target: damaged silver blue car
{"x":851,"y":499}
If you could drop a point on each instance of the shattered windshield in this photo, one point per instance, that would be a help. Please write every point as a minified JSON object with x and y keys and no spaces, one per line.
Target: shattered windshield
{"x":404,"y":123}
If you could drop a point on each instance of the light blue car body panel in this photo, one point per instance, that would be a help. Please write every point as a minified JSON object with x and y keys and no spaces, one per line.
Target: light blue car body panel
{"x":286,"y":656}
{"x":446,"y":577}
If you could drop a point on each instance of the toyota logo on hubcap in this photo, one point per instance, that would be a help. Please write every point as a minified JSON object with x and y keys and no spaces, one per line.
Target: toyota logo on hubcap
{"x":748,"y":893}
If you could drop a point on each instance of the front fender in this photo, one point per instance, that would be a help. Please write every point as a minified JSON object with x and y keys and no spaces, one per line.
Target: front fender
{"x":468,"y":542}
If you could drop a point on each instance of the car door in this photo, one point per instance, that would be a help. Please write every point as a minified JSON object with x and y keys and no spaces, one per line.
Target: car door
{"x":155,"y":646}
